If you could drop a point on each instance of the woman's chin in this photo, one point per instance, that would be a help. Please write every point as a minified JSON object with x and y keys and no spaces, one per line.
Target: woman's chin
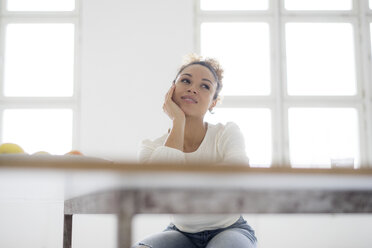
{"x":194,"y":116}
{"x":189,"y":112}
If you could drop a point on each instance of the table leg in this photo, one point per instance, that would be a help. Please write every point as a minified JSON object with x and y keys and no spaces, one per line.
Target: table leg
{"x":67,"y":231}
{"x":124,"y":231}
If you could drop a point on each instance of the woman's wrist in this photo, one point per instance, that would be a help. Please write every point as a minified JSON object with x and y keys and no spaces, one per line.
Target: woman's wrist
{"x":180,"y":121}
{"x":175,"y":137}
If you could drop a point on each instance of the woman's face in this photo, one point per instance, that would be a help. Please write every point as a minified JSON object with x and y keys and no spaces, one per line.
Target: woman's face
{"x":195,"y":88}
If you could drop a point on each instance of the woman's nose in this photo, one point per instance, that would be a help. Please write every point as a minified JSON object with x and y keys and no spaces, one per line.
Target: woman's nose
{"x":191,"y":90}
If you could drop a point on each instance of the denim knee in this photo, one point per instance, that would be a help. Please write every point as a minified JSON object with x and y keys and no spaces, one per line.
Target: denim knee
{"x":141,"y":245}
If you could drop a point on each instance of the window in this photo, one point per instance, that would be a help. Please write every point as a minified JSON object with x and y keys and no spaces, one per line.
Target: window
{"x":38,"y":93}
{"x":297,"y":78}
{"x":317,"y":135}
{"x":246,"y":46}
{"x":320,"y":59}
{"x":318,"y":5}
{"x":40,"y":5}
{"x":42,"y":129}
{"x":233,"y":4}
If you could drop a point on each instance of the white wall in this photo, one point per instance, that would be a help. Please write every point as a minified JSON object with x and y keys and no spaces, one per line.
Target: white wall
{"x":130,"y":51}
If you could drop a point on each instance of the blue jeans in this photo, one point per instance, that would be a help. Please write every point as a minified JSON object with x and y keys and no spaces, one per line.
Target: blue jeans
{"x":238,"y":235}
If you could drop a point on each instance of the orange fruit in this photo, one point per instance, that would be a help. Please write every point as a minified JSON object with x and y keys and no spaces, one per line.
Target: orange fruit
{"x":74,"y":152}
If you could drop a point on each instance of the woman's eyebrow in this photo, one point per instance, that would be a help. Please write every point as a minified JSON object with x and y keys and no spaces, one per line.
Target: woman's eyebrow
{"x":205,"y":79}
{"x":187,"y":74}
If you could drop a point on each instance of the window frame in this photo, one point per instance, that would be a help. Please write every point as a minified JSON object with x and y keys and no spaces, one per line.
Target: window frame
{"x":279,"y":101}
{"x":73,"y":102}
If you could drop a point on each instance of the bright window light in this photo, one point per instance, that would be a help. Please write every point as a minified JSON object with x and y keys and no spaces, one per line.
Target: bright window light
{"x":255,"y":125}
{"x":318,"y":4}
{"x":318,"y":136}
{"x":234,"y":4}
{"x":244,"y":52}
{"x":320,"y":59}
{"x":39,"y":59}
{"x":41,"y":5}
{"x":36,"y":130}
{"x":370,"y":32}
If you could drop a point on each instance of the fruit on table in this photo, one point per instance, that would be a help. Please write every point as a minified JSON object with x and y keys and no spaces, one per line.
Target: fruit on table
{"x":41,"y":153}
{"x":10,"y":148}
{"x":74,"y":152}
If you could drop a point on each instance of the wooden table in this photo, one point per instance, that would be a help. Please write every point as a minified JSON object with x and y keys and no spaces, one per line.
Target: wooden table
{"x":94,"y":186}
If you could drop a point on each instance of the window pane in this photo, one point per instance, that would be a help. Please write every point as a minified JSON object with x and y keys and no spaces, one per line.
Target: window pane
{"x":320,"y":59}
{"x":370,"y":33}
{"x":318,"y":4}
{"x":319,"y":135}
{"x":234,"y":5}
{"x":35,"y":130}
{"x":243,"y":51}
{"x":41,"y":5}
{"x":255,"y":125}
{"x":39,"y":59}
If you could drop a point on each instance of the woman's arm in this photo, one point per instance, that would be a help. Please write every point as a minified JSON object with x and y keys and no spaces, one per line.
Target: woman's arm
{"x":176,"y":135}
{"x":155,"y":151}
{"x":168,"y":148}
{"x":231,"y":145}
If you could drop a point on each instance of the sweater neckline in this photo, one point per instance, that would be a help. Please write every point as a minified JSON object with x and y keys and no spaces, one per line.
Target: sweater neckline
{"x":208,"y":126}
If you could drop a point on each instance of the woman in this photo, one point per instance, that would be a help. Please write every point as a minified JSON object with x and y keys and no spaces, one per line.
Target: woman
{"x":195,"y":91}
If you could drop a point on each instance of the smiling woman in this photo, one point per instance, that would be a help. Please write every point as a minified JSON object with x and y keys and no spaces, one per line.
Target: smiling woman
{"x":194,"y":91}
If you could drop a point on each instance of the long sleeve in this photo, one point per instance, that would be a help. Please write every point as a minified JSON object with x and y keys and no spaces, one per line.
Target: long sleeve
{"x":231,"y":145}
{"x":155,"y":151}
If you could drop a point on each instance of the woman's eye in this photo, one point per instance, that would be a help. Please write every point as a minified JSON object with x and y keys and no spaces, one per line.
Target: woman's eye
{"x":206,"y":86}
{"x":185,"y":80}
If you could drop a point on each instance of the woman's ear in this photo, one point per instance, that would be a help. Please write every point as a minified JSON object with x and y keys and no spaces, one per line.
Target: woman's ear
{"x":213,"y":104}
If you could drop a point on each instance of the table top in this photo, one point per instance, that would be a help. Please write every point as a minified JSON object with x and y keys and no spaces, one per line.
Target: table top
{"x":46,"y":178}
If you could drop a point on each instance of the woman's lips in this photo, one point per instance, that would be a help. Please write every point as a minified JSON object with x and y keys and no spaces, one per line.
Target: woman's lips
{"x":189,"y":99}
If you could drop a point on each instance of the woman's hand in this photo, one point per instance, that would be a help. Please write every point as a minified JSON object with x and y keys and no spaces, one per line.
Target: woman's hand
{"x":174,"y":112}
{"x":176,"y":136}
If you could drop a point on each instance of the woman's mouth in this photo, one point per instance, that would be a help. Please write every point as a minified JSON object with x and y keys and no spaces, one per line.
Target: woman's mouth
{"x":189,"y":99}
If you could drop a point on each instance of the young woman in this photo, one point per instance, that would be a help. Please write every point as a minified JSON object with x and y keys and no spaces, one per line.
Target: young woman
{"x":194,"y":91}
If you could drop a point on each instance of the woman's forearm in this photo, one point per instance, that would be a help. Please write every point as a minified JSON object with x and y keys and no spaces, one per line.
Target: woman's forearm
{"x":176,"y":136}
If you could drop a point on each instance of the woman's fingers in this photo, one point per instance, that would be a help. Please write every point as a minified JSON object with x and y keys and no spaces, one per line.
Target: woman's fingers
{"x":169,"y":95}
{"x":168,"y":99}
{"x":171,"y":91}
{"x":170,"y":107}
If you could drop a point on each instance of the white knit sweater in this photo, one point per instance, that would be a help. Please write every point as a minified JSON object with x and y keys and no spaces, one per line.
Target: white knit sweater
{"x":222,"y":144}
